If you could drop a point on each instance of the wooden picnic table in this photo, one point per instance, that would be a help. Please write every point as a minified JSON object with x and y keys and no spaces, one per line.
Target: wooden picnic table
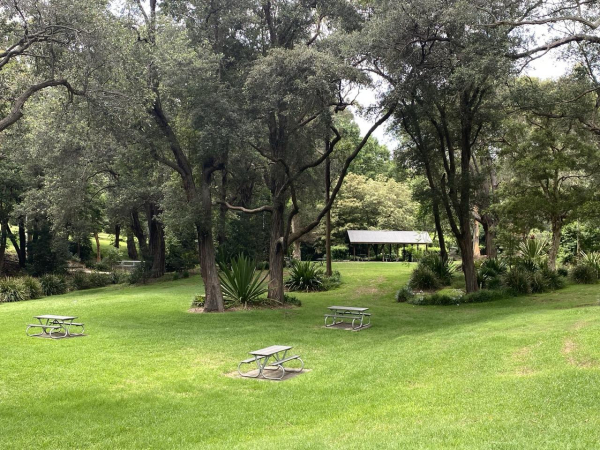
{"x":357,"y":314}
{"x":274,"y":357}
{"x":55,"y":326}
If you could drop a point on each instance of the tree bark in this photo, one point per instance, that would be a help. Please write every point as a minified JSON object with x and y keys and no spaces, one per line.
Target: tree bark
{"x":132,"y":252}
{"x":296,"y":250}
{"x":206,"y":248}
{"x":98,"y":255}
{"x":489,"y":229}
{"x":438,"y":227}
{"x":156,"y":240}
{"x":276,"y":252}
{"x":553,"y":253}
{"x":3,"y":236}
{"x":476,"y":249}
{"x":117,"y":235}
{"x":138,"y":231}
{"x":328,"y":265}
{"x":22,"y":242}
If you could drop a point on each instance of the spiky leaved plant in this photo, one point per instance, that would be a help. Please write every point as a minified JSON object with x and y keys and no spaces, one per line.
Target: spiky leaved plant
{"x":241,"y":282}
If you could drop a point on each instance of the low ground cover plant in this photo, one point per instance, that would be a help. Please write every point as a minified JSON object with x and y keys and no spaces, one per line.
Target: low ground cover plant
{"x":305,"y":276}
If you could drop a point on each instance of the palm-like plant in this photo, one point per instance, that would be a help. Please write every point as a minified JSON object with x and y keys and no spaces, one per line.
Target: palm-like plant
{"x":592,"y":260}
{"x":304,"y":276}
{"x":241,"y":282}
{"x":532,"y":252}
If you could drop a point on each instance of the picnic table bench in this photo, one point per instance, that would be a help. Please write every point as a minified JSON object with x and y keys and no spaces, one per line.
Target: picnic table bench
{"x":55,"y":327}
{"x":270,"y":358}
{"x":341,"y":313}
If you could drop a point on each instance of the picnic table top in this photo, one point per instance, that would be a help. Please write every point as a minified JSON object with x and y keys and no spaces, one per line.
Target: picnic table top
{"x":52,"y":316}
{"x":347,"y":308}
{"x":268,"y":351}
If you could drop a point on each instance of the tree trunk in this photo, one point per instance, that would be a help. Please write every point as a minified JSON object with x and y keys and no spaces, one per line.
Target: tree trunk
{"x":3,"y":236}
{"x":98,"y":255}
{"x":206,"y":248}
{"x":490,"y":238}
{"x":138,"y":231}
{"x":222,"y":233}
{"x":131,"y":249}
{"x":468,"y":264}
{"x":117,"y":235}
{"x":276,"y":253}
{"x":552,"y":255}
{"x":156,"y":240}
{"x":328,"y":265}
{"x":296,"y":251}
{"x":476,"y":249}
{"x":438,"y":226}
{"x":22,"y":242}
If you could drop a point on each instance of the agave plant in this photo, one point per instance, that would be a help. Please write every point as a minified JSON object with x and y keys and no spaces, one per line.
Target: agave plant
{"x":304,"y":276}
{"x":592,"y":260}
{"x":241,"y":282}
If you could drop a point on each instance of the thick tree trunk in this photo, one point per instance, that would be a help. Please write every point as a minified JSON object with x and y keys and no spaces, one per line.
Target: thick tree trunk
{"x":98,"y":254}
{"x":276,"y":253}
{"x":156,"y":240}
{"x":22,"y":242}
{"x":476,"y":249}
{"x":468,"y":264}
{"x":117,"y":235}
{"x":552,"y":255}
{"x":138,"y":231}
{"x":206,"y":248}
{"x":222,"y":227}
{"x":328,"y":265}
{"x":132,"y":252}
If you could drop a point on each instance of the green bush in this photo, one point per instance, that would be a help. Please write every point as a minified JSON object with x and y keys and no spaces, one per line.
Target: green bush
{"x":486,"y":295}
{"x":100,"y":279}
{"x":591,"y":259}
{"x":583,"y":274}
{"x":562,"y":271}
{"x":305,"y":276}
{"x":339,"y":252}
{"x":538,"y":283}
{"x":241,"y":282}
{"x":291,"y":300}
{"x":518,"y":280}
{"x":332,"y":282}
{"x":263,"y":265}
{"x":33,"y":287}
{"x":80,"y":281}
{"x":443,"y":269}
{"x":404,"y":294}
{"x":553,"y":279}
{"x":423,"y":278}
{"x":12,"y":290}
{"x":53,"y":284}
{"x":140,"y":274}
{"x":488,"y":274}
{"x":438,"y":298}
{"x":198,"y":301}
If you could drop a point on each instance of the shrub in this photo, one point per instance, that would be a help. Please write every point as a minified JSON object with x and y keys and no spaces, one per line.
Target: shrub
{"x":562,"y":271}
{"x":332,"y":282}
{"x":80,"y":281}
{"x":518,"y":280}
{"x":185,"y":274}
{"x":263,"y":265}
{"x":486,"y":295}
{"x":53,"y":284}
{"x":583,"y":274}
{"x":112,"y":257}
{"x":438,"y":298}
{"x":100,"y":279}
{"x":423,"y":278}
{"x":443,"y":269}
{"x":140,"y":273}
{"x":33,"y":287}
{"x":241,"y":282}
{"x":12,"y":290}
{"x":553,"y":279}
{"x":198,"y":301}
{"x":339,"y":252}
{"x":592,"y":260}
{"x":404,"y":294}
{"x":537,"y":283}
{"x":305,"y":276}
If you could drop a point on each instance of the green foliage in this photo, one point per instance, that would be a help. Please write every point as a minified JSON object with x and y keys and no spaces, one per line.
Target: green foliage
{"x":53,"y":284}
{"x":198,"y":301}
{"x":291,"y":300}
{"x":553,"y":279}
{"x":112,"y":257}
{"x":533,"y":249}
{"x":538,"y":283}
{"x":82,"y":280}
{"x":140,"y":273}
{"x":404,"y":294}
{"x":591,"y":259}
{"x":83,"y":249}
{"x":241,"y":282}
{"x":339,"y":252}
{"x":305,"y":276}
{"x":487,"y":295}
{"x":443,"y":269}
{"x":437,"y":298}
{"x":562,"y":271}
{"x":332,"y":282}
{"x":179,"y":259}
{"x":584,"y":274}
{"x":47,"y":253}
{"x":423,"y":278}
{"x":33,"y":287}
{"x":12,"y":290}
{"x":517,"y":279}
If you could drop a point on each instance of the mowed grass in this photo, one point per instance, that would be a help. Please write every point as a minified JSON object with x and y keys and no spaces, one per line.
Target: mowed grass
{"x":515,"y":374}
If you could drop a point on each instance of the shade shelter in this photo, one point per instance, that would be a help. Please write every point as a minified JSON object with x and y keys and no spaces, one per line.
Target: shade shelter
{"x":385,"y":237}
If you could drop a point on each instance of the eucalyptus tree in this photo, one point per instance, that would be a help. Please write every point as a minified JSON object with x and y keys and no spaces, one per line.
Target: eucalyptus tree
{"x":549,"y":158}
{"x":445,"y":66}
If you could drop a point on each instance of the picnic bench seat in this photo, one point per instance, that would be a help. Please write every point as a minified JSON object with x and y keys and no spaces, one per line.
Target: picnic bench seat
{"x":282,"y":361}
{"x":44,"y":328}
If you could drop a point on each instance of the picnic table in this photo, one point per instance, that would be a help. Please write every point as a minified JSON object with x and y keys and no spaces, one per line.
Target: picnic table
{"x":55,"y":327}
{"x":338,"y":314}
{"x":269,"y":358}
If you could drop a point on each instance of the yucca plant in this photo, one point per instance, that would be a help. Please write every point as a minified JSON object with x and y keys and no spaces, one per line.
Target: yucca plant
{"x":442,"y":268}
{"x":592,"y":260}
{"x":241,"y":282}
{"x":305,"y":276}
{"x":12,"y":290}
{"x":532,"y":252}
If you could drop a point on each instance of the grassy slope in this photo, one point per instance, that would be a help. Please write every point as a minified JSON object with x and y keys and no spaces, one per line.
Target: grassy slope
{"x":514,"y":374}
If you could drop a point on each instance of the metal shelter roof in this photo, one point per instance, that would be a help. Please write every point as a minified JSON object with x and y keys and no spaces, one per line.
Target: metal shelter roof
{"x":388,"y":237}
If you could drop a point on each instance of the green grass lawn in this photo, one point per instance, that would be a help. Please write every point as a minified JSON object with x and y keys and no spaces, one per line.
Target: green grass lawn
{"x":515,"y":374}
